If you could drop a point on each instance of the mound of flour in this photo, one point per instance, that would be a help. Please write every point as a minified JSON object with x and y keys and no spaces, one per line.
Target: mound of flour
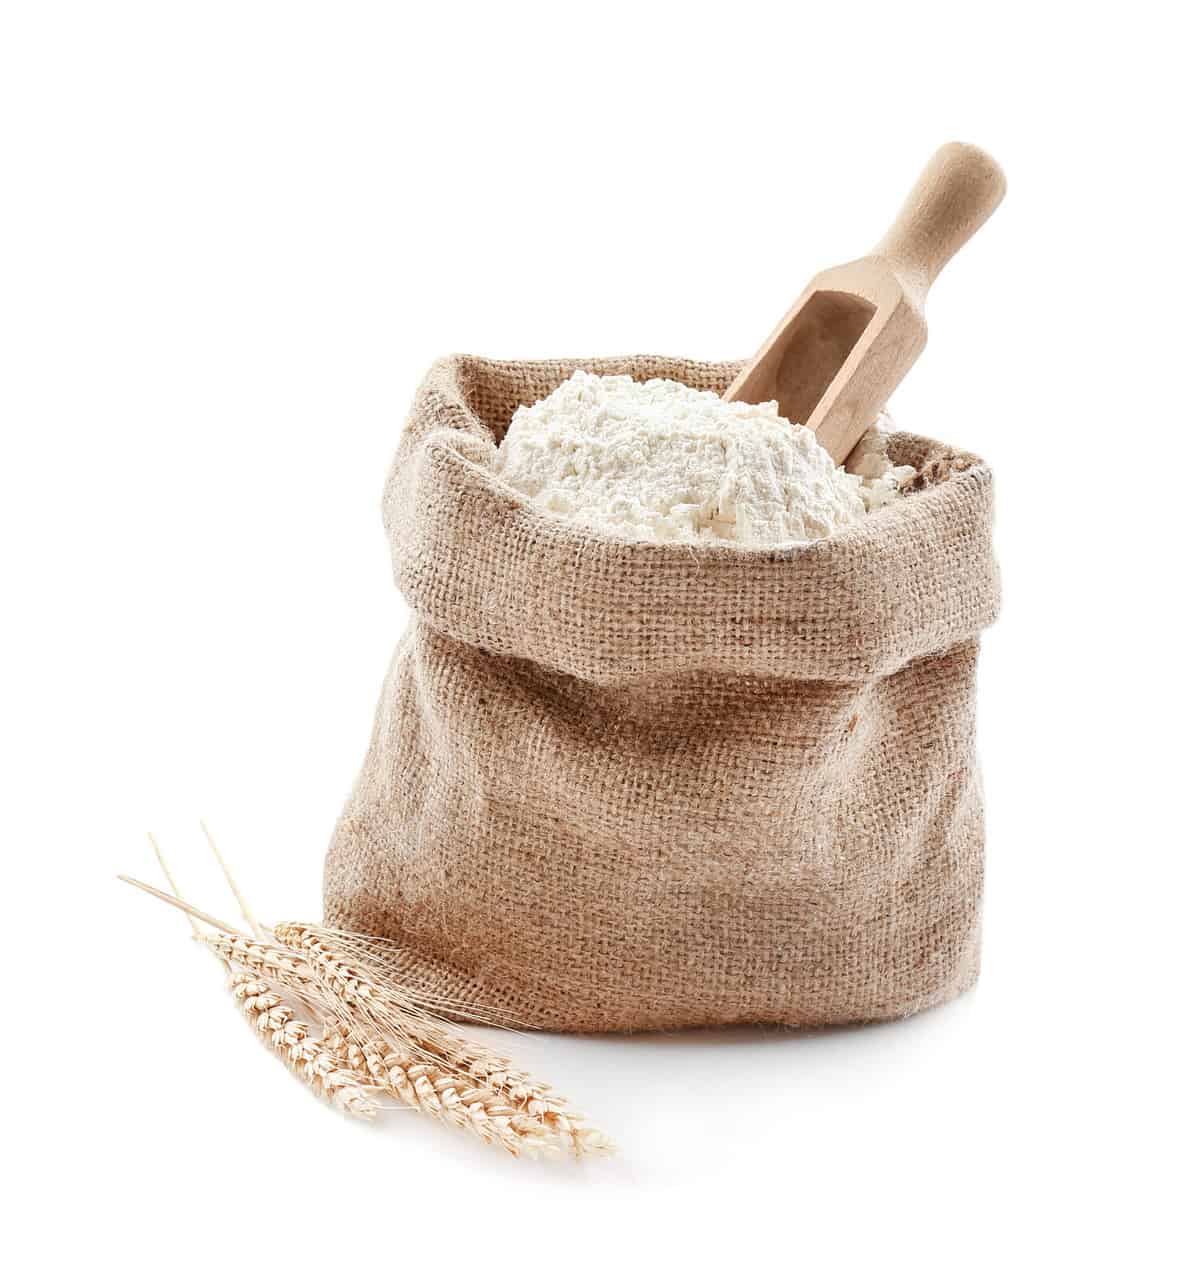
{"x":661,"y":462}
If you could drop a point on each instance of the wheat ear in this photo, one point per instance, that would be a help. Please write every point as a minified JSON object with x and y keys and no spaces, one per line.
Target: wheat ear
{"x":379,"y":1037}
{"x":310,"y":1059}
{"x":442,"y":1094}
{"x":272,"y":1019}
{"x":415,"y":1079}
{"x":368,"y":958}
{"x":275,"y":1022}
{"x":365,"y":997}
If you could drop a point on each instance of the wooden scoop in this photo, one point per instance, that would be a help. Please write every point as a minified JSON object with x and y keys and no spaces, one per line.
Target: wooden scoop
{"x":850,"y":339}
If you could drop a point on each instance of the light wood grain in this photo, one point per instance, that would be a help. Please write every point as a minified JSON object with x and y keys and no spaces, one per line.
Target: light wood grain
{"x":844,"y":346}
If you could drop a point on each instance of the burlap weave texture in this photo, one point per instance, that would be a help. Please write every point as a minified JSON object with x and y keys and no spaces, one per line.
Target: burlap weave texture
{"x":627,"y":786}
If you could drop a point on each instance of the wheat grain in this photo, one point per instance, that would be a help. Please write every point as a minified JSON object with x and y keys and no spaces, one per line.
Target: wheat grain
{"x":314,"y":1062}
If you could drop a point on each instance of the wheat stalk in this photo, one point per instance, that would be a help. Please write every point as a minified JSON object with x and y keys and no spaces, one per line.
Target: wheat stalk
{"x":166,"y":871}
{"x":255,"y":929}
{"x":315,"y":1063}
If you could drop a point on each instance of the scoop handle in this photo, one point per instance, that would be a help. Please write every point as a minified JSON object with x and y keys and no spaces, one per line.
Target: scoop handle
{"x":959,"y":189}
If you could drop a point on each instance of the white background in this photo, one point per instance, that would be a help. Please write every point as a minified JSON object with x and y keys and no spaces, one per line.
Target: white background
{"x":234,"y":237}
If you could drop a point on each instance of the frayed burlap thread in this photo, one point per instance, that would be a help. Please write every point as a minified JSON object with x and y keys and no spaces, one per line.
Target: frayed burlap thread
{"x":620,"y":785}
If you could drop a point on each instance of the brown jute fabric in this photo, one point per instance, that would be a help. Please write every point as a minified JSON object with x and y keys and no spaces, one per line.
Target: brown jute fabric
{"x":632,"y":786}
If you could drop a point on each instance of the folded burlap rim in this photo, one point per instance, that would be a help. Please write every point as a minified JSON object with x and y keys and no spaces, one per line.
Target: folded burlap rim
{"x":481,"y":563}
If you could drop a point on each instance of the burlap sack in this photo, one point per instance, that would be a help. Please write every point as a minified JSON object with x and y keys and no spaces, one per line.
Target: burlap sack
{"x":626,"y":786}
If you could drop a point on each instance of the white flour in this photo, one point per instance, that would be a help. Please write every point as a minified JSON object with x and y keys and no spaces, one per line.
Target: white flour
{"x":662,"y":462}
